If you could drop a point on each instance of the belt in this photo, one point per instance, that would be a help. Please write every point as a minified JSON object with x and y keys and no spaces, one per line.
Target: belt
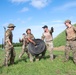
{"x":71,"y":39}
{"x":49,"y":41}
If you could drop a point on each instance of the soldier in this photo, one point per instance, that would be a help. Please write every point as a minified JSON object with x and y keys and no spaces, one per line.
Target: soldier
{"x":24,"y":45}
{"x":30,"y":38}
{"x":9,"y":49}
{"x":47,"y":36}
{"x":71,"y":40}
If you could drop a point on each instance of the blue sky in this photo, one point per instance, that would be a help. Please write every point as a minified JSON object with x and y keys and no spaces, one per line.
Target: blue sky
{"x":34,"y":14}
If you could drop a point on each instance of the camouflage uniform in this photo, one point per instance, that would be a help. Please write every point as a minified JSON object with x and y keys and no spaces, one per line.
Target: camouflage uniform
{"x":9,"y":49}
{"x":31,"y":37}
{"x":71,"y":42}
{"x":24,"y":46}
{"x":49,"y":42}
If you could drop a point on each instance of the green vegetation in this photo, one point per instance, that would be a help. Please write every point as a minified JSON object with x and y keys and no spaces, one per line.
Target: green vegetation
{"x":60,"y":40}
{"x":42,"y":67}
{"x":15,"y":45}
{"x":0,"y":46}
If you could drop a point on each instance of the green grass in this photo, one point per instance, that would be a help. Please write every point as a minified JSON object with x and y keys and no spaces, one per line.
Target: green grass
{"x":60,"y":40}
{"x":42,"y":67}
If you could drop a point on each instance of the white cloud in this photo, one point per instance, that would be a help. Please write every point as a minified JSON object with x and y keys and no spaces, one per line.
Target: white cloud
{"x":52,"y":22}
{"x":21,"y":21}
{"x":44,"y":23}
{"x":19,"y":1}
{"x":26,"y":21}
{"x":66,"y":6}
{"x":25,"y":9}
{"x":39,"y":3}
{"x":5,"y":24}
{"x":73,"y":22}
{"x":57,"y":21}
{"x":35,"y":3}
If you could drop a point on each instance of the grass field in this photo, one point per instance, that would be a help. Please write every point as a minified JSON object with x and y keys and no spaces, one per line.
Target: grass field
{"x":42,"y":67}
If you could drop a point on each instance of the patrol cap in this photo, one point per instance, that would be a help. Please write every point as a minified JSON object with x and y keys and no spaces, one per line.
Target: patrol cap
{"x":28,"y":29}
{"x":23,"y":34}
{"x":67,"y":21}
{"x":11,"y":25}
{"x":45,"y":26}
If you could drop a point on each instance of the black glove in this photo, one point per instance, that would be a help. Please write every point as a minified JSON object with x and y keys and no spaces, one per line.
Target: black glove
{"x":52,"y":29}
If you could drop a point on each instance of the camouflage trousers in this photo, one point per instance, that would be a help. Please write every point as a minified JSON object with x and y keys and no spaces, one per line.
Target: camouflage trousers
{"x":32,"y":56}
{"x":9,"y":55}
{"x":24,"y":49}
{"x":70,"y":45}
{"x":49,"y":47}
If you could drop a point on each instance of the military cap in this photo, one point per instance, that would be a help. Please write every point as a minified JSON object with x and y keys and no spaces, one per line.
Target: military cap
{"x":45,"y":26}
{"x":11,"y":25}
{"x":67,"y":21}
{"x":28,"y":29}
{"x":23,"y":34}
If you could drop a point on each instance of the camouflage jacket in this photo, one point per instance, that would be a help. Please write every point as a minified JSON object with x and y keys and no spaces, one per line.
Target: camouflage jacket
{"x":31,"y":36}
{"x":47,"y":36}
{"x":71,"y":33}
{"x":24,"y":41}
{"x":8,"y":36}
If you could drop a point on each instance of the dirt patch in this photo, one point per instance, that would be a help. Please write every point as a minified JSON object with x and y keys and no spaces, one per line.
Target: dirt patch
{"x":62,"y":48}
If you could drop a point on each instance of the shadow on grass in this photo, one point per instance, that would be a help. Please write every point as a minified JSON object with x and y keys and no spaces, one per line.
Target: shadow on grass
{"x":47,"y":57}
{"x":71,"y":58}
{"x":20,"y":60}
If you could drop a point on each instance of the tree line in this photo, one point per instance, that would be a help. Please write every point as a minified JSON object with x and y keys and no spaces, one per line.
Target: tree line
{"x":14,"y":44}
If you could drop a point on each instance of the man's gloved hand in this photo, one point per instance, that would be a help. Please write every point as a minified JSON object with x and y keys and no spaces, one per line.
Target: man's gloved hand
{"x":19,"y":40}
{"x":52,"y":29}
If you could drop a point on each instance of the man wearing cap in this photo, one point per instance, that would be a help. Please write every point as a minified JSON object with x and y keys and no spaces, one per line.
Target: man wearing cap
{"x":30,"y":38}
{"x":47,"y":37}
{"x":24,"y":45}
{"x":9,"y":49}
{"x":70,"y":40}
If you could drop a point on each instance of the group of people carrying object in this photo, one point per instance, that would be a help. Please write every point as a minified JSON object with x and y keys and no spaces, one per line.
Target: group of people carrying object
{"x":48,"y":39}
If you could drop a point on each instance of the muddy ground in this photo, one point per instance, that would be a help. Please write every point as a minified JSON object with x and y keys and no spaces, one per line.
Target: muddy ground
{"x":60,"y":48}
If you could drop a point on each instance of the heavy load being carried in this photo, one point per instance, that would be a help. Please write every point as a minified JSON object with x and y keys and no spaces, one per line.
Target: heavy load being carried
{"x":38,"y":48}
